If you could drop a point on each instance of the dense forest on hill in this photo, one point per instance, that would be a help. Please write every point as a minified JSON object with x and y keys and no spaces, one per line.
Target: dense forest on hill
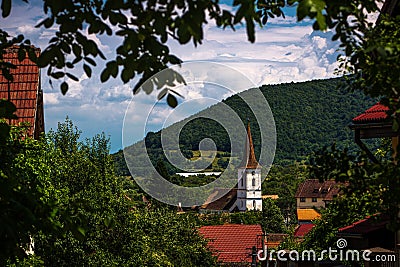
{"x":308,"y":115}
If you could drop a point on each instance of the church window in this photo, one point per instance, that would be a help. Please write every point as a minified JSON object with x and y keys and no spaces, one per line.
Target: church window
{"x":253,"y":182}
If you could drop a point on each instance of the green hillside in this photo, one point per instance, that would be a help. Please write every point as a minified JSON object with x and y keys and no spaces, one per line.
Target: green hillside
{"x":308,"y":116}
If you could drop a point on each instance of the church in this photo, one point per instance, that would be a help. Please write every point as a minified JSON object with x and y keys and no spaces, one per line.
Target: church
{"x":246,"y":195}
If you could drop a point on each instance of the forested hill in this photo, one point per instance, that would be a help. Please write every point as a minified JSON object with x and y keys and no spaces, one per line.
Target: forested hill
{"x":308,"y":116}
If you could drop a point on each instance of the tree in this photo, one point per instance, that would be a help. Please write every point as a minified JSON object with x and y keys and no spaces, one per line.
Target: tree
{"x":62,"y":193}
{"x":112,"y":228}
{"x":272,"y":221}
{"x":27,"y":197}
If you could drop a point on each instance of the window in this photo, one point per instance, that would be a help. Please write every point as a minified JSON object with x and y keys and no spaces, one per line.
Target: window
{"x":314,"y":199}
{"x":241,"y":181}
{"x":302,"y":199}
{"x":253,"y":182}
{"x":254,"y":204}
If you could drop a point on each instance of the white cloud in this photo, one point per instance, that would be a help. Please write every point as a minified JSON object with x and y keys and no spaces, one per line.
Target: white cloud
{"x":283,"y":52}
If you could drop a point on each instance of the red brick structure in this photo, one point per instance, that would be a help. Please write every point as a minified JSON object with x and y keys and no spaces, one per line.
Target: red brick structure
{"x":24,"y":91}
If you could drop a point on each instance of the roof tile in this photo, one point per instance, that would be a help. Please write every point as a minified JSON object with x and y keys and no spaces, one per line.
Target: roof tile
{"x":303,"y":229}
{"x":23,"y":90}
{"x":376,"y":113}
{"x":307,"y":214}
{"x":314,"y":188}
{"x":232,"y":242}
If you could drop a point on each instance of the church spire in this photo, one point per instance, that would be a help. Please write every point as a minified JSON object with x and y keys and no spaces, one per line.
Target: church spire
{"x":251,"y":156}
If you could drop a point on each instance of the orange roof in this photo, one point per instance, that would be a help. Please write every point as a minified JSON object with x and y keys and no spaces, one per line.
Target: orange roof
{"x":376,"y":113}
{"x":307,"y":214}
{"x":270,"y":196}
{"x":24,"y":91}
{"x":232,"y":242}
{"x":251,"y":156}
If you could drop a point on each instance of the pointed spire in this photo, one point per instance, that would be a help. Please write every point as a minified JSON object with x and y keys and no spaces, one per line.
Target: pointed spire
{"x":251,"y":156}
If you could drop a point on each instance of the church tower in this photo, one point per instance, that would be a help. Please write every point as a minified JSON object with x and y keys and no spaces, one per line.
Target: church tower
{"x":249,"y":179}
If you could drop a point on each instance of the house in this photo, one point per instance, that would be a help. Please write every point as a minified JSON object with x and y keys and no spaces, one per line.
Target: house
{"x":372,"y":235}
{"x":233,"y":244}
{"x":315,"y":194}
{"x":246,"y":195}
{"x":24,"y":91}
{"x":370,"y":232}
{"x":373,"y":123}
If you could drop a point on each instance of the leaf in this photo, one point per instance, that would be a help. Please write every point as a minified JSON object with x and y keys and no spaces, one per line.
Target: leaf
{"x":395,"y":126}
{"x":112,"y":66}
{"x":57,"y":74}
{"x":4,"y":132}
{"x":90,"y":61}
{"x":264,"y":20}
{"x":6,"y":8}
{"x":64,"y":88}
{"x":171,"y":100}
{"x":21,"y":54}
{"x":105,"y":75}
{"x":162,"y":93}
{"x":127,"y":74}
{"x":303,"y":9}
{"x":73,"y":77}
{"x":7,"y":109}
{"x":87,"y":70}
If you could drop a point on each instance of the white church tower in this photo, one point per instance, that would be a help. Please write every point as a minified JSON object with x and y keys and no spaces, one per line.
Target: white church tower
{"x":249,"y":179}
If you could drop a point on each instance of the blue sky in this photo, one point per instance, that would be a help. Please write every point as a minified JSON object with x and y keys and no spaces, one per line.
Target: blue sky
{"x":284,"y":51}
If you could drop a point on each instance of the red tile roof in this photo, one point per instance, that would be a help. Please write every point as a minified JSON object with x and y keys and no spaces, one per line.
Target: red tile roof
{"x":232,"y":242}
{"x":367,"y":225}
{"x":24,"y":91}
{"x":314,"y":188}
{"x":376,"y":113}
{"x":251,"y":162}
{"x":303,"y":229}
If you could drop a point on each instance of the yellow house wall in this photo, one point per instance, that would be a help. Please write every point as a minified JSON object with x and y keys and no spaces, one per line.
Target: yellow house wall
{"x":309,"y":204}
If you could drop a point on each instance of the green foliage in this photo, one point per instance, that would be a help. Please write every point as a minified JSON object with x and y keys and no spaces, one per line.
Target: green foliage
{"x":62,"y":193}
{"x":273,"y":221}
{"x":28,"y":199}
{"x":270,"y":218}
{"x":283,"y":181}
{"x":113,"y":227}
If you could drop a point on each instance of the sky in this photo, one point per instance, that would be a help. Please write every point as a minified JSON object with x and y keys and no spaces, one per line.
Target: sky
{"x":284,"y":51}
